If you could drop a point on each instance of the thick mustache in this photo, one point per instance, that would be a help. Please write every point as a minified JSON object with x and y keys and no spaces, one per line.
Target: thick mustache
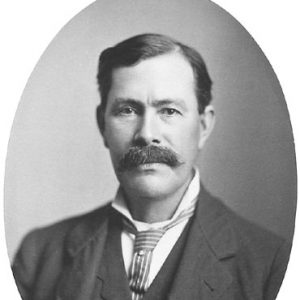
{"x":138,"y":155}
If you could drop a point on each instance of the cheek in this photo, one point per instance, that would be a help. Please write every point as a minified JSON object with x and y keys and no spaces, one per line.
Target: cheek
{"x":117,"y":135}
{"x":187,"y":141}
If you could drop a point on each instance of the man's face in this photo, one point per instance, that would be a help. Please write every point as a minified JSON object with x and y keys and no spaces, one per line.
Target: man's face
{"x":154,"y":103}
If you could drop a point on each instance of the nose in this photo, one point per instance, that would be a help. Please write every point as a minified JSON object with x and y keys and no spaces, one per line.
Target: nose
{"x":147,"y":131}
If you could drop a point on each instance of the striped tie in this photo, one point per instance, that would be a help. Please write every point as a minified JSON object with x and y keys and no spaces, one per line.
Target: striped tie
{"x":145,"y":242}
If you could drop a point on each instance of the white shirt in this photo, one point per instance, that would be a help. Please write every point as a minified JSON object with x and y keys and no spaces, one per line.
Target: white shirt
{"x":168,"y":240}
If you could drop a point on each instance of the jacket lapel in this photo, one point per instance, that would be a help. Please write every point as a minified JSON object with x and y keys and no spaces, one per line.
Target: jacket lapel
{"x":84,"y":248}
{"x":112,"y":274}
{"x":202,"y":274}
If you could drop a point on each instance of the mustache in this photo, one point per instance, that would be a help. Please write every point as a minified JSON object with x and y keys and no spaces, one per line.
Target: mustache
{"x":138,"y":155}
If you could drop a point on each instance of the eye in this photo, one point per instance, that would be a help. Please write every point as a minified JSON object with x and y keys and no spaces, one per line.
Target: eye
{"x":170,"y":111}
{"x":127,"y":110}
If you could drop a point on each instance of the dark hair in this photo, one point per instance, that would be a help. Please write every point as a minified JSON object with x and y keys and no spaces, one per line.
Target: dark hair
{"x":144,"y":46}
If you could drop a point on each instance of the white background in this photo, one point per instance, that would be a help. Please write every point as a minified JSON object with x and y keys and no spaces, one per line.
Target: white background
{"x":27,"y":27}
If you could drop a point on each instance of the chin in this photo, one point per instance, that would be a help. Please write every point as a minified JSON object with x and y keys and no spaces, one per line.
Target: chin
{"x":148,"y":185}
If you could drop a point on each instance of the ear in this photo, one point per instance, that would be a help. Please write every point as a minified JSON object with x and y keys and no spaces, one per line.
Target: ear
{"x":207,"y":122}
{"x":101,"y":123}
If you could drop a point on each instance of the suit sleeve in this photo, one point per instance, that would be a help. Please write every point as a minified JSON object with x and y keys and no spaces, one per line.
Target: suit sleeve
{"x":277,"y":271}
{"x":25,"y":265}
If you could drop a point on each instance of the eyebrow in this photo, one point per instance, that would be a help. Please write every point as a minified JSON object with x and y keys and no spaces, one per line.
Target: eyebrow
{"x":131,"y":101}
{"x":155,"y":103}
{"x":163,"y":102}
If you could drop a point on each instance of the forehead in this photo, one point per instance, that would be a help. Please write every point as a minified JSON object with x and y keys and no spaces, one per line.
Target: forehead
{"x":166,"y":75}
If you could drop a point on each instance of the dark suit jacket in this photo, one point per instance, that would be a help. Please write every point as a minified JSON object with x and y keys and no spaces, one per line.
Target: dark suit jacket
{"x":225,"y":257}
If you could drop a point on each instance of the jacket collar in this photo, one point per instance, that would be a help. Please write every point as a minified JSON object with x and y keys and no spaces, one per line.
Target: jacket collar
{"x":88,"y":229}
{"x":215,"y":223}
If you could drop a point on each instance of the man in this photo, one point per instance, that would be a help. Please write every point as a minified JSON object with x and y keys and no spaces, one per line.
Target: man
{"x":163,"y":236}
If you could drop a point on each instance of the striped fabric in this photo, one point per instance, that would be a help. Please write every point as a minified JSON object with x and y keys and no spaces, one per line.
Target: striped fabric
{"x":145,"y":242}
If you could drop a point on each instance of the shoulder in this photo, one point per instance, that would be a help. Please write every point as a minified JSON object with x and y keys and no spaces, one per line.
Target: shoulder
{"x":43,"y":253}
{"x":256,"y":257}
{"x":252,"y":236}
{"x":55,"y":235}
{"x":252,"y":244}
{"x":246,"y":232}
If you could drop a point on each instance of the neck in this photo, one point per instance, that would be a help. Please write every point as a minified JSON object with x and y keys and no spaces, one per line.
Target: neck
{"x":154,"y":209}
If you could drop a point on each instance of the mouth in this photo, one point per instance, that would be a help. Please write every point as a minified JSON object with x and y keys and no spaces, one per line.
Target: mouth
{"x":148,"y":166}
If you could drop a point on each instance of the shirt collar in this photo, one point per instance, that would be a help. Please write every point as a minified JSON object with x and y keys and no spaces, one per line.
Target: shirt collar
{"x":190,"y":194}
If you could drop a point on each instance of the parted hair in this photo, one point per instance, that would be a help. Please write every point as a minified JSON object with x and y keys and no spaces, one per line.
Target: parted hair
{"x":141,"y":47}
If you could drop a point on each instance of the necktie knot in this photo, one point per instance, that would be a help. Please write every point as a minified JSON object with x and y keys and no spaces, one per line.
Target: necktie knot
{"x":147,"y":240}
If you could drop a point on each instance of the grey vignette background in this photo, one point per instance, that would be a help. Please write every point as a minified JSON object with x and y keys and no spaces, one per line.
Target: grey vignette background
{"x":57,"y":165}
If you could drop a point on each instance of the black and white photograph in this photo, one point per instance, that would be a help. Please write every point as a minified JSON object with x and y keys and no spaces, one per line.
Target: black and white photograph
{"x":151,"y":156}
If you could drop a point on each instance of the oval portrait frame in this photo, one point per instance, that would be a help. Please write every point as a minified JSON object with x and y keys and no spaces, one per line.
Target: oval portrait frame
{"x":66,"y":194}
